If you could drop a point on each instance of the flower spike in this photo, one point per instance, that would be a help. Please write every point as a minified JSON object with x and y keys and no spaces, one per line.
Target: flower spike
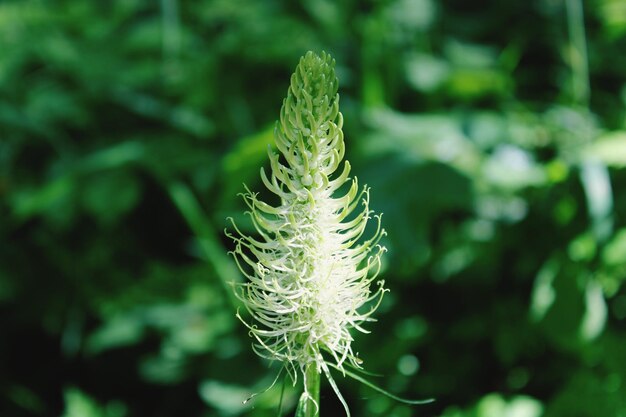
{"x":309,"y":269}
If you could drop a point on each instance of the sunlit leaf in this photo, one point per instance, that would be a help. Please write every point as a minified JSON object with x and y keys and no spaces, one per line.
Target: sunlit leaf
{"x":610,"y":149}
{"x":594,"y":320}
{"x":614,"y":252}
{"x":597,"y":185}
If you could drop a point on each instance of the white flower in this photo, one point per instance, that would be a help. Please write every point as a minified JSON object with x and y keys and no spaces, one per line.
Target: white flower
{"x":310,"y":268}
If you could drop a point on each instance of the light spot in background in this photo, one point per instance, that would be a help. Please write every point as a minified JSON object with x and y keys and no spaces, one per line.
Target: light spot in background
{"x":411,"y":15}
{"x":583,"y":248}
{"x":453,"y":262}
{"x":615,"y":251}
{"x":408,"y":365}
{"x":510,"y":209}
{"x":425,"y":72}
{"x":411,"y":328}
{"x":378,"y":404}
{"x":565,"y":210}
{"x":543,"y":294}
{"x":80,"y":404}
{"x":480,"y":230}
{"x":610,"y":148}
{"x":227,"y":398}
{"x":596,"y":312}
{"x":596,"y":182}
{"x":493,"y":405}
{"x":518,"y":378}
{"x":511,"y":167}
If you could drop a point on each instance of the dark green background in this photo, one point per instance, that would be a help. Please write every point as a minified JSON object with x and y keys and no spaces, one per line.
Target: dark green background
{"x":128,"y":127}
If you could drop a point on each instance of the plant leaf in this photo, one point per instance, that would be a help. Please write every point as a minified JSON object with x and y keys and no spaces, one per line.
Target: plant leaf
{"x":300,"y":411}
{"x":382,"y":391}
{"x":282,"y":394}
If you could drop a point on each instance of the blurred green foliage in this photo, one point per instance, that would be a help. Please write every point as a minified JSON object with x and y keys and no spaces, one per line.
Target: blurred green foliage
{"x":496,"y":153}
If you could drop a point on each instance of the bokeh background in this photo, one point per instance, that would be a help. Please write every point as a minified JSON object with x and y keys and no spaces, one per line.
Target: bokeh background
{"x":493,"y":136}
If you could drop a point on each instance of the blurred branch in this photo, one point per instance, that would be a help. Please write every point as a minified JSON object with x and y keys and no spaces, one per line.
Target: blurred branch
{"x":215,"y":253}
{"x":578,"y":52}
{"x":180,"y":117}
{"x":594,"y":175}
{"x":171,"y":28}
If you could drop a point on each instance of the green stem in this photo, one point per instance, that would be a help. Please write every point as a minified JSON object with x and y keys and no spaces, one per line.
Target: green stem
{"x":313,"y":388}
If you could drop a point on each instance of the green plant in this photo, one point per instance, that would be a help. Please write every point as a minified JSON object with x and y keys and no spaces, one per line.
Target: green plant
{"x":309,"y":271}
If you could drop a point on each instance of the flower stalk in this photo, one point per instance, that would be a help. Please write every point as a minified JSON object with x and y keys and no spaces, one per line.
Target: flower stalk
{"x":310,"y":266}
{"x":311,"y":407}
